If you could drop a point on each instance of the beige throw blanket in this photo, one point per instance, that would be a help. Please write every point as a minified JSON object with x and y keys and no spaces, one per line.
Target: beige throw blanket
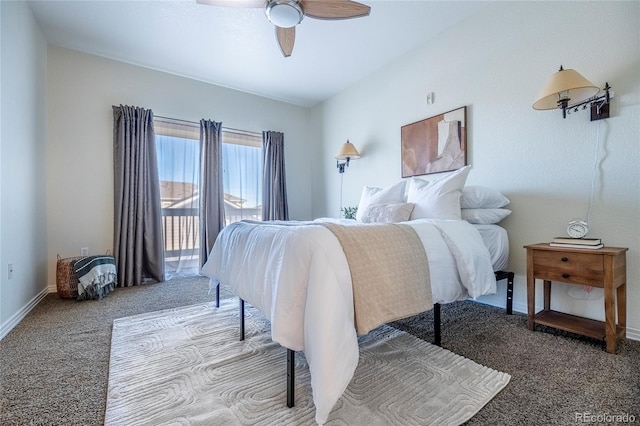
{"x":389,"y":272}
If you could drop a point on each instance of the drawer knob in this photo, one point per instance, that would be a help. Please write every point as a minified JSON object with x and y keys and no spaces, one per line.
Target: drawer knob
{"x":564,"y":259}
{"x":565,"y":275}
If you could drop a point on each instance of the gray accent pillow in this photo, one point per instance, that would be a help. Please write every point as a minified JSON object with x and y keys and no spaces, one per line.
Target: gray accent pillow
{"x":387,"y":213}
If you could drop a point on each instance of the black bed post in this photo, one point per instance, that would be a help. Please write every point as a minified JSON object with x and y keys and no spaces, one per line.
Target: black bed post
{"x":436,"y":324}
{"x":510,"y":293}
{"x":291,"y":379}
{"x":241,"y":319}
{"x":507,"y":275}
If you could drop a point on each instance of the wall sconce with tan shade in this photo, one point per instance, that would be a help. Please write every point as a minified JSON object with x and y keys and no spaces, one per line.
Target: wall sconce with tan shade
{"x":347,"y":153}
{"x":569,"y":90}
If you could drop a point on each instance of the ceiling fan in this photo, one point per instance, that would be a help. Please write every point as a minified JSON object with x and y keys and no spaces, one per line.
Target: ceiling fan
{"x":286,"y":14}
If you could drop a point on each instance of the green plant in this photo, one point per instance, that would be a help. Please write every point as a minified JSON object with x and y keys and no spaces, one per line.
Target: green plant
{"x":349,"y":212}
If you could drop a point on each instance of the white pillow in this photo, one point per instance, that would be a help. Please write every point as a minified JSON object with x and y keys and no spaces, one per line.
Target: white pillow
{"x":439,"y":198}
{"x":370,"y":195}
{"x":480,"y":197}
{"x":484,"y":216}
{"x":387,"y":213}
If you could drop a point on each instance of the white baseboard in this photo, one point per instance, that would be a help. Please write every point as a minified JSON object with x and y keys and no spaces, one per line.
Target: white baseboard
{"x":633,"y":334}
{"x":19,"y":316}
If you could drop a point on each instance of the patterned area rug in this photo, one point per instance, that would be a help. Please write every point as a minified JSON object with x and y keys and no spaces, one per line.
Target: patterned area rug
{"x":186,"y":366}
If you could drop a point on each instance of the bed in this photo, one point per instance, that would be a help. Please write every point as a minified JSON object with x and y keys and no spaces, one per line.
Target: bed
{"x":414,"y":245}
{"x":298,"y":276}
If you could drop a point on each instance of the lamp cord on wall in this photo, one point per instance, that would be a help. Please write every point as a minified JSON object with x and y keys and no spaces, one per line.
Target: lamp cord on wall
{"x":341,"y":179}
{"x":595,"y":172}
{"x":586,"y":293}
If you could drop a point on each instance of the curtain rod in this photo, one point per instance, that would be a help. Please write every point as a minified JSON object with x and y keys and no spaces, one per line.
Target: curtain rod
{"x":176,"y":119}
{"x":198,"y":123}
{"x":229,"y":129}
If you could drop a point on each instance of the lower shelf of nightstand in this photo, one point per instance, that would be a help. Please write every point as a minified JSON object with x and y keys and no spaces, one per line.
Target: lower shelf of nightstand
{"x":575,"y":324}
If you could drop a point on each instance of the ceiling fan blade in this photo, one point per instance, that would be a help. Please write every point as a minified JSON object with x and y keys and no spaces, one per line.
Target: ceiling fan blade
{"x":233,"y":3}
{"x":286,"y":38}
{"x":334,"y":9}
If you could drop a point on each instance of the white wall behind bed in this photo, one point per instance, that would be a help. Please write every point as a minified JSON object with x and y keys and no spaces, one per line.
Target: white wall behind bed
{"x":495,"y":63}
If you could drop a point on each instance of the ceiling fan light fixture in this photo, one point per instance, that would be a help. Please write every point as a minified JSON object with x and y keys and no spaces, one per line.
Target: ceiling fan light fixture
{"x":284,"y":13}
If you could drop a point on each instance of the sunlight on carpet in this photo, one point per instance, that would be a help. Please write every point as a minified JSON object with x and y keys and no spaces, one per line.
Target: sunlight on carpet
{"x":188,"y":366}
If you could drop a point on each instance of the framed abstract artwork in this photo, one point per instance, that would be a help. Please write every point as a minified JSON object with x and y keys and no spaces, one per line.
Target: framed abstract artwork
{"x":436,"y":144}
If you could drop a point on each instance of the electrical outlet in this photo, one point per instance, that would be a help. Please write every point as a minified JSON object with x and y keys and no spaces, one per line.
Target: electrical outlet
{"x":10,"y":271}
{"x":84,"y":251}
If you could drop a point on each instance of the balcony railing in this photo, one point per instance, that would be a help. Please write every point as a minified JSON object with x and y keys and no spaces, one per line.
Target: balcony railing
{"x":181,"y":232}
{"x":181,"y":229}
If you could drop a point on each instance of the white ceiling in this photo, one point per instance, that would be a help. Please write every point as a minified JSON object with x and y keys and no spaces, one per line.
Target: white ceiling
{"x":236,"y":48}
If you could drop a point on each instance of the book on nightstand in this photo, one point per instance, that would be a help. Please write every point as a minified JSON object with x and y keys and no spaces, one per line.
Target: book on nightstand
{"x":577,"y":241}
{"x":578,"y":246}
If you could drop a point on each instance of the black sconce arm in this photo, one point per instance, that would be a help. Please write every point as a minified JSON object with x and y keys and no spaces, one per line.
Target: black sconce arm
{"x":596,"y":102}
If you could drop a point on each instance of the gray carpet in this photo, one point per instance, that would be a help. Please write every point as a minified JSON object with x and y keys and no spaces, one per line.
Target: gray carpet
{"x":54,"y":364}
{"x":187,"y":366}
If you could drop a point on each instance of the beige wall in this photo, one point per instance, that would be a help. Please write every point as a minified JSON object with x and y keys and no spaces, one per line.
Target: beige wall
{"x":496,"y":63}
{"x":81,"y":91}
{"x":23,"y":165}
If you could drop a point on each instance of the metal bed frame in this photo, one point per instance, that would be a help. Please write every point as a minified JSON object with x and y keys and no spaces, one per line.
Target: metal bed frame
{"x":291,"y":354}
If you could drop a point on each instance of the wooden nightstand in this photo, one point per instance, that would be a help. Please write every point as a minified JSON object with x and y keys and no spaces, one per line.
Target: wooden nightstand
{"x":605,"y":268}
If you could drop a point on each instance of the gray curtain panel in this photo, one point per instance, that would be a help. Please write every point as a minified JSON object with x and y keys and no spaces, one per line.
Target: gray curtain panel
{"x":274,"y":182}
{"x":212,"y":218}
{"x":138,"y":244}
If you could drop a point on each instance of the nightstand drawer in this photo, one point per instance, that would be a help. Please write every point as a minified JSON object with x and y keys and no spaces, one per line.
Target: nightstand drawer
{"x":579,"y":268}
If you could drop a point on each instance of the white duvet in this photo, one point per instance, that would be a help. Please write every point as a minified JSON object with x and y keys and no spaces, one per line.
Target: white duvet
{"x":296,"y":274}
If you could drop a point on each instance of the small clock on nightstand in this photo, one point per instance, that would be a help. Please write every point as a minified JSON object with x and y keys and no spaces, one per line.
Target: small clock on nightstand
{"x":578,"y":228}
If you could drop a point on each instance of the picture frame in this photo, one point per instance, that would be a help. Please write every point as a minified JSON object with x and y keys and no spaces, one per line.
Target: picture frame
{"x":434,"y":145}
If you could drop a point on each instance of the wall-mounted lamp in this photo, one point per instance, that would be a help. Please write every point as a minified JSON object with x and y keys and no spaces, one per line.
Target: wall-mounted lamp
{"x":569,"y":90}
{"x":347,"y":153}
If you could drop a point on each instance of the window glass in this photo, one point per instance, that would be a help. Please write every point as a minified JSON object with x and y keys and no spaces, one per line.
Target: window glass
{"x":178,"y":155}
{"x":242,"y":181}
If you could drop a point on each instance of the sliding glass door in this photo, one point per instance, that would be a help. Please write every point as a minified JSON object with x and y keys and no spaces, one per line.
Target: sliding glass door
{"x":178,"y":149}
{"x":242,"y":170}
{"x":178,"y":152}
